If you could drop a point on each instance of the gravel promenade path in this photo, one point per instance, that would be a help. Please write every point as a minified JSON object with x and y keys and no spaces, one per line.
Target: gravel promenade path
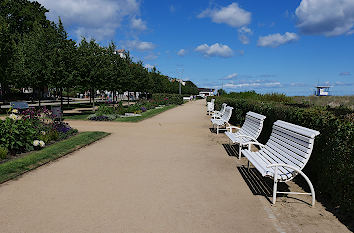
{"x":166,"y":174}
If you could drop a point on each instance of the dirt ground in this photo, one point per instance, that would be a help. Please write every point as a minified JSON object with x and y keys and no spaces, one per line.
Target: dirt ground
{"x":165,"y":174}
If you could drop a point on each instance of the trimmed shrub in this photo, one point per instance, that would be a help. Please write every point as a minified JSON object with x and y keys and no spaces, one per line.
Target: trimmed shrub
{"x":331,"y":165}
{"x":3,"y":152}
{"x":165,"y":99}
{"x":102,"y":117}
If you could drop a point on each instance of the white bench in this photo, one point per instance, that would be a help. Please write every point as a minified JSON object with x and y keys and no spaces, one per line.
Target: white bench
{"x":218,"y":114}
{"x":284,"y":155}
{"x":19,"y":105}
{"x":250,"y":130}
{"x":210,"y":106}
{"x":223,"y":120}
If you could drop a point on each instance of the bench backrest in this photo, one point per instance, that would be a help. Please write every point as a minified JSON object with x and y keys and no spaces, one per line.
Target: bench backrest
{"x":223,"y":107}
{"x":19,"y":105}
{"x":253,"y":125}
{"x":291,"y":143}
{"x":227,"y":114}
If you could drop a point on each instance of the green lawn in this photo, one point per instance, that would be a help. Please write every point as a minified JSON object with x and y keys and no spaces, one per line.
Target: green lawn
{"x":144,"y":115}
{"x":16,"y":167}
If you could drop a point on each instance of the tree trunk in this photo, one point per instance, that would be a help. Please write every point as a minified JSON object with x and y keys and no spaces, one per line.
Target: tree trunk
{"x":40,"y":97}
{"x":128,"y":98}
{"x":93,"y":100}
{"x":61,"y":98}
{"x":68,"y":89}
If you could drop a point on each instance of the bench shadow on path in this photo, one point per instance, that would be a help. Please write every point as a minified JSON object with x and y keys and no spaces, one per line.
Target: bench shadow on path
{"x":257,"y":184}
{"x":263,"y":186}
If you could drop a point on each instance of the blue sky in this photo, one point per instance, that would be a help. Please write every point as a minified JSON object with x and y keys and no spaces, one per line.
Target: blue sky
{"x":266,"y":46}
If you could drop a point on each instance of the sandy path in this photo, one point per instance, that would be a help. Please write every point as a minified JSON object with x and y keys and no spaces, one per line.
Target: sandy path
{"x":165,"y":174}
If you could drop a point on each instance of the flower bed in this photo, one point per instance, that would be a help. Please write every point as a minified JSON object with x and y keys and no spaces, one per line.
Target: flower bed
{"x":31,"y":129}
{"x":109,"y":113}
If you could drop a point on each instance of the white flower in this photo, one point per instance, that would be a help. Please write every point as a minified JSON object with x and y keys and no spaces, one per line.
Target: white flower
{"x":35,"y":143}
{"x":14,"y":111}
{"x":13,"y":117}
{"x":41,"y":143}
{"x":43,"y":132}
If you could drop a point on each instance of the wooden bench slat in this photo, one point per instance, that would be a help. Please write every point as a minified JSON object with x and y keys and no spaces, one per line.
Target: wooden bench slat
{"x":293,"y":161}
{"x":298,"y":129}
{"x":292,"y":133}
{"x":286,"y":139}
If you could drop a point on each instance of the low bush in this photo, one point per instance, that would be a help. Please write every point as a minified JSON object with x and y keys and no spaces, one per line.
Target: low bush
{"x":3,"y":152}
{"x":331,"y":165}
{"x":21,"y":129}
{"x":102,"y":117}
{"x":165,"y":99}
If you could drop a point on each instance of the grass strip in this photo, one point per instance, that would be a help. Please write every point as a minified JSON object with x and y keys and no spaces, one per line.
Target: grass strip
{"x":145,"y":115}
{"x":17,"y":167}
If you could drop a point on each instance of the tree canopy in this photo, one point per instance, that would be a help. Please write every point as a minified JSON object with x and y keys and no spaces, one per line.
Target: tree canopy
{"x":37,"y":53}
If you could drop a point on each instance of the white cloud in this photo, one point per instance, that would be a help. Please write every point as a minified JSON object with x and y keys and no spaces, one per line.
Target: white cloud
{"x":254,"y":84}
{"x":230,"y":76}
{"x":243,"y":34}
{"x":275,"y":40}
{"x":139,"y":45}
{"x":232,"y":15}
{"x":92,"y":18}
{"x":215,"y":50}
{"x":148,"y":66}
{"x":325,"y":17}
{"x":138,"y":24}
{"x":181,"y":52}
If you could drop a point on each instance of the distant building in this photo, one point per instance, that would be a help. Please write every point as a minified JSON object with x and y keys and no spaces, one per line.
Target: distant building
{"x":204,"y":92}
{"x":322,"y":91}
{"x":121,"y":53}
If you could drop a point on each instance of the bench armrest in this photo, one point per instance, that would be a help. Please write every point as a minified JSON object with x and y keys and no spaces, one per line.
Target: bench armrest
{"x":231,"y":127}
{"x":253,"y":143}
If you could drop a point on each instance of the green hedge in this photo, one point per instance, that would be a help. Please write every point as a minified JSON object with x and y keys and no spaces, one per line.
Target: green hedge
{"x":163,"y":98}
{"x":331,"y":166}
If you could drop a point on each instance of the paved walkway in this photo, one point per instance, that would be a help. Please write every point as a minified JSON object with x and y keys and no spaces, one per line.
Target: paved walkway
{"x":165,"y":174}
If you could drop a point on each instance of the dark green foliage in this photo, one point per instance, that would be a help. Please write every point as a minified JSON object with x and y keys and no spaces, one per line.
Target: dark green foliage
{"x":331,"y":166}
{"x":17,"y":135}
{"x":3,"y":152}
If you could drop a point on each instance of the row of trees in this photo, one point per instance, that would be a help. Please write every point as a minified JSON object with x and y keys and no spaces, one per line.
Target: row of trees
{"x":36,"y":53}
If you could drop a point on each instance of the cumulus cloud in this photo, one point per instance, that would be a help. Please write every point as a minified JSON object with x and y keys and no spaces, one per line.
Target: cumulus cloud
{"x":181,"y":52}
{"x":92,"y":18}
{"x":138,"y":24}
{"x":243,"y":34}
{"x":139,"y":45}
{"x":329,"y":17}
{"x":230,"y":76}
{"x":215,"y":50}
{"x":253,"y":84}
{"x":345,"y":73}
{"x":275,"y":40}
{"x":232,"y":15}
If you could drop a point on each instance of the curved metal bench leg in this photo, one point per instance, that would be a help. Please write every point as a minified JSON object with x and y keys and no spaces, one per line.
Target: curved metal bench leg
{"x":275,"y":185}
{"x":298,"y":171}
{"x":239,"y":150}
